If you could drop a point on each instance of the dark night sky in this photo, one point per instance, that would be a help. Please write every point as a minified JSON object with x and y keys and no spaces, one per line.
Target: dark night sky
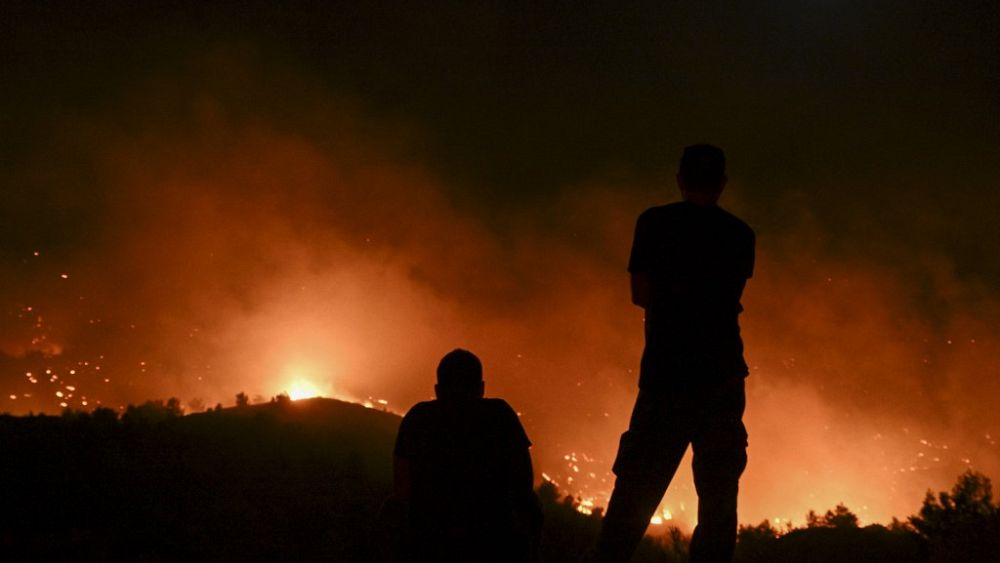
{"x":215,"y":177}
{"x":516,"y":100}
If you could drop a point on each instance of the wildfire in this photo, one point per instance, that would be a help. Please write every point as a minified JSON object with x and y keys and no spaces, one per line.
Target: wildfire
{"x":305,"y":380}
{"x":303,"y":389}
{"x":661,"y":517}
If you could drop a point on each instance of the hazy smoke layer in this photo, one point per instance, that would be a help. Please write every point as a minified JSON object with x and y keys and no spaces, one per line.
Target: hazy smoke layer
{"x":251,"y":235}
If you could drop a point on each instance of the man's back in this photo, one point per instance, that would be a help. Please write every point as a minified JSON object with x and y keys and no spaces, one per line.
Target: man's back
{"x":697,"y":259}
{"x":465,"y":482}
{"x":689,"y":264}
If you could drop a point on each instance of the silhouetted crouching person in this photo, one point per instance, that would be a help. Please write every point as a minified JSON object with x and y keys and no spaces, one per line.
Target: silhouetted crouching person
{"x":689,"y":264}
{"x":463,"y":473}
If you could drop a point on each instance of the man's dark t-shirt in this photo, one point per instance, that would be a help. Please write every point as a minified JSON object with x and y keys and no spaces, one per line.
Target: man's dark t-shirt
{"x":460,"y":457}
{"x":698,"y":258}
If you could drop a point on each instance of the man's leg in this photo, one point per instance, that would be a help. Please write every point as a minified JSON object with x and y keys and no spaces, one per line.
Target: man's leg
{"x":633,"y":503}
{"x":719,"y":459}
{"x":648,"y":457}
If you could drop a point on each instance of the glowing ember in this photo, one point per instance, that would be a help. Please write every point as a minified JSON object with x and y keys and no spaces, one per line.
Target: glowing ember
{"x":586,"y":506}
{"x":371,"y":403}
{"x":660,"y":517}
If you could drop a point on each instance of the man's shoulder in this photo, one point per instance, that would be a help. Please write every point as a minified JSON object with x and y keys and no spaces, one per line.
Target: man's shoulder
{"x":660,"y":212}
{"x":421,"y":410}
{"x":680,"y":210}
{"x":490,"y":406}
{"x":737,"y":223}
{"x":496,"y":402}
{"x":497,"y":406}
{"x":508,"y":421}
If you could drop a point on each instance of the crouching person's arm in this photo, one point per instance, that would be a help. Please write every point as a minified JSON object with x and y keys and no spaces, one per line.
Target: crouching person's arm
{"x":391,"y":524}
{"x":527,"y":508}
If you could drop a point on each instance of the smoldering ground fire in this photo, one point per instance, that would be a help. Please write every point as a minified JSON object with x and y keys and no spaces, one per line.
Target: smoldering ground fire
{"x":217,"y":250}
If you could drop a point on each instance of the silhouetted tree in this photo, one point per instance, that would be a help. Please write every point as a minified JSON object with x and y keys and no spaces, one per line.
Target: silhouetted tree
{"x":196,"y":405}
{"x":105,"y":417}
{"x":755,"y":543}
{"x":242,"y":400}
{"x":763,"y":531}
{"x":548,"y":493}
{"x":961,"y":525}
{"x":901,"y":526}
{"x":675,"y":544}
{"x":153,"y":412}
{"x":970,"y":501}
{"x":174,"y":407}
{"x":839,"y":517}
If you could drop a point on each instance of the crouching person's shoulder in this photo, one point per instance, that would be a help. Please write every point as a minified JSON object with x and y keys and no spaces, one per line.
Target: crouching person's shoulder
{"x":509,"y":419}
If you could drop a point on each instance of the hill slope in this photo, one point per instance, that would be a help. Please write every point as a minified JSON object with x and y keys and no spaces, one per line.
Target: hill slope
{"x":281,"y":481}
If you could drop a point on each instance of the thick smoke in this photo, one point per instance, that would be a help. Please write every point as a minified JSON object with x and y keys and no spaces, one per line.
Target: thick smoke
{"x":240,"y":234}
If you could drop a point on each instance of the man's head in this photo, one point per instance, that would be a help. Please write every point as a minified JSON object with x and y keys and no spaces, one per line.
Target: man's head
{"x":459,"y":376}
{"x":702,"y":173}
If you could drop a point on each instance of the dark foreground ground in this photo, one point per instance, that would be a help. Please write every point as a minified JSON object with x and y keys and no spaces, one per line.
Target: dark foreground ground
{"x":304,"y":481}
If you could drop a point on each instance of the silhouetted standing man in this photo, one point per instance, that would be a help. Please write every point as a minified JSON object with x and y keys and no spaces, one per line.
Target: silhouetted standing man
{"x":463,"y":473}
{"x":689,"y":264}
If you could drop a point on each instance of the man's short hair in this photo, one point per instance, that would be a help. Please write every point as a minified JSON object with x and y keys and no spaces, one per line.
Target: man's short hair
{"x":459,"y":368}
{"x":702,"y":168}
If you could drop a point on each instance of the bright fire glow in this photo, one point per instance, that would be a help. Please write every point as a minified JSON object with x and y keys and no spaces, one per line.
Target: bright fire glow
{"x":303,"y":389}
{"x":661,"y":517}
{"x":304,"y":380}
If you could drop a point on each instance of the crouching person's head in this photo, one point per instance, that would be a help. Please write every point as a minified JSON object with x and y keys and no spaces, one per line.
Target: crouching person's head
{"x":459,"y":376}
